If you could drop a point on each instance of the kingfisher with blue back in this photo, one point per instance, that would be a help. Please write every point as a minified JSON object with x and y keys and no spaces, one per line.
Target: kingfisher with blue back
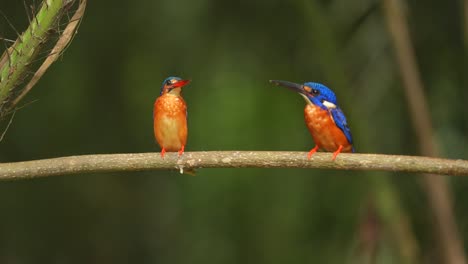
{"x":324,"y":118}
{"x":170,"y":117}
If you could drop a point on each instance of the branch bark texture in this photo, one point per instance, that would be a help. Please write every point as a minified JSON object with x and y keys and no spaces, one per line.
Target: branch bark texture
{"x":226,"y":159}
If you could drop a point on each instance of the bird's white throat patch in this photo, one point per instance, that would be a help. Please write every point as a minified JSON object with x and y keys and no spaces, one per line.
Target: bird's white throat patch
{"x":175,"y":91}
{"x":306,"y":98}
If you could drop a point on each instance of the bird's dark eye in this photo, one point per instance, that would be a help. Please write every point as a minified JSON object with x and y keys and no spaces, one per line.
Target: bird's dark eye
{"x":315,"y":92}
{"x":168,"y":82}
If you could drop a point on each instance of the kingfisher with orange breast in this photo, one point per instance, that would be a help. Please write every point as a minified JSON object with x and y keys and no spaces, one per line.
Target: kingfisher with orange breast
{"x":324,"y":119}
{"x":170,"y":117}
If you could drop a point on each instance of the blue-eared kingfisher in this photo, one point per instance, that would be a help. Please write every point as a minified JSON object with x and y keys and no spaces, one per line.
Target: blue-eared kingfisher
{"x":170,"y":117}
{"x":324,"y":118}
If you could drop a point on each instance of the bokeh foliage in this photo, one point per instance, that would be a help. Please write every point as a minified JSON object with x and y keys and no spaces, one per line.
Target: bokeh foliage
{"x":98,"y":99}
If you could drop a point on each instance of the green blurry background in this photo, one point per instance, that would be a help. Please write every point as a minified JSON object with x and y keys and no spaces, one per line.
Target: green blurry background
{"x":98,"y":99}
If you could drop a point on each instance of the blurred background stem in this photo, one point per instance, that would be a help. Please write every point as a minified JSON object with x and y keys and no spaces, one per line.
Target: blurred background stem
{"x":334,"y":67}
{"x":465,"y":22}
{"x":436,"y":187}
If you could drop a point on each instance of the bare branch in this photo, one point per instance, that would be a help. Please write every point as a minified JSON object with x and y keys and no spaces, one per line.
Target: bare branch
{"x":227,"y":159}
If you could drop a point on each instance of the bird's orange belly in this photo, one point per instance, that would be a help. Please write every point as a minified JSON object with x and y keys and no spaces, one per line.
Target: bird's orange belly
{"x":170,"y":123}
{"x":168,"y":133}
{"x":324,"y":131}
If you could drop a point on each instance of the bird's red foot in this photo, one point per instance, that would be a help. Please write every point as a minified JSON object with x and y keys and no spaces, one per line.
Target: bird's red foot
{"x":181,"y":151}
{"x":163,"y":152}
{"x":338,"y":151}
{"x":312,"y":151}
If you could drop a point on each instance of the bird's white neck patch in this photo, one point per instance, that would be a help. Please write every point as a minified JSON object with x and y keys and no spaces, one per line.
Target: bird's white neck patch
{"x":329,"y":105}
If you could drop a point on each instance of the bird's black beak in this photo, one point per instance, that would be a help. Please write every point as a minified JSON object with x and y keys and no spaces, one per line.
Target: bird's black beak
{"x":299,"y":88}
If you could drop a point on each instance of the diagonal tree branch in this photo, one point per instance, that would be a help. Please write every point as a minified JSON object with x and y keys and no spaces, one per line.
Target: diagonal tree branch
{"x":226,"y":159}
{"x":64,"y":40}
{"x":17,"y":59}
{"x":20,"y":59}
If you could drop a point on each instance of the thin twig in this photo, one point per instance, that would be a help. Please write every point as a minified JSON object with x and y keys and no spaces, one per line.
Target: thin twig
{"x":8,"y":126}
{"x":10,"y":24}
{"x":226,"y":159}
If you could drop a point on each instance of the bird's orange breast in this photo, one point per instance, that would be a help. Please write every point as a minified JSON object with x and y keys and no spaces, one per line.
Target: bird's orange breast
{"x":324,"y":131}
{"x":170,"y":122}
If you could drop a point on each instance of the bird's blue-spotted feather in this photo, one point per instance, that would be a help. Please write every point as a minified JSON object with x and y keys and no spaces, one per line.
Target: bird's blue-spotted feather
{"x":340,"y":121}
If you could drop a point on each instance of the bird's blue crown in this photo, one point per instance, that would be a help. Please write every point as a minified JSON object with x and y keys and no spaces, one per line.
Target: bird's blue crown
{"x":324,"y":93}
{"x":166,"y":82}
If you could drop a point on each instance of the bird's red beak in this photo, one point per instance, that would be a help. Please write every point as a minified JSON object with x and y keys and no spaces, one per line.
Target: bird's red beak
{"x":180,"y":83}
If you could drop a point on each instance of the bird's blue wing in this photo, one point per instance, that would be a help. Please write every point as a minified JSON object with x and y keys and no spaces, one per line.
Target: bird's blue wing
{"x":340,"y":121}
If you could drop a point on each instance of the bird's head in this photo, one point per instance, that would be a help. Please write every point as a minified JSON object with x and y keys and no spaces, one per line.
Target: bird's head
{"x":314,"y":93}
{"x":173,"y":85}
